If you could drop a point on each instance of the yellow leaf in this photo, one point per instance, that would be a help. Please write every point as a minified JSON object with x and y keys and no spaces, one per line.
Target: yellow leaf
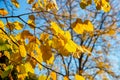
{"x":106,"y":6}
{"x":70,"y":46}
{"x":1,"y":24}
{"x":89,"y":27}
{"x":22,"y":50}
{"x":30,"y":1}
{"x":15,"y":3}
{"x":103,"y":5}
{"x":31,"y":23}
{"x":85,"y":3}
{"x":7,"y":54}
{"x":3,"y":12}
{"x":28,"y":67}
{"x":111,"y":32}
{"x":78,"y":77}
{"x":43,"y":77}
{"x":56,"y":29}
{"x":18,"y":25}
{"x":10,"y":26}
{"x":53,"y":76}
{"x":78,"y":27}
{"x":44,"y":36}
{"x":65,"y":78}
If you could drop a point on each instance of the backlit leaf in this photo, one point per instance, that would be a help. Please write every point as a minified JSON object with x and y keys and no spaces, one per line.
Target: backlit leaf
{"x":28,"y":67}
{"x":53,"y":76}
{"x":22,"y":50}
{"x":3,"y":12}
{"x":30,"y":1}
{"x":1,"y":24}
{"x":18,"y":25}
{"x":78,"y":77}
{"x":15,"y":3}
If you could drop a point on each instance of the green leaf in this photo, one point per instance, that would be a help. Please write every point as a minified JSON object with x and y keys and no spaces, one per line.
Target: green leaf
{"x":7,"y":71}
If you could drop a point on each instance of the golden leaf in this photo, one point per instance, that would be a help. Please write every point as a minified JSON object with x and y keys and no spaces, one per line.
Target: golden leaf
{"x":3,"y":12}
{"x":15,"y":3}
{"x":65,"y":78}
{"x":103,"y":5}
{"x":43,"y":77}
{"x":30,"y":1}
{"x":18,"y":25}
{"x":10,"y":26}
{"x":22,"y":50}
{"x":78,"y":77}
{"x":53,"y":76}
{"x":7,"y":54}
{"x":44,"y":36}
{"x":85,"y":3}
{"x":56,"y":29}
{"x":80,"y":27}
{"x":1,"y":24}
{"x":28,"y":67}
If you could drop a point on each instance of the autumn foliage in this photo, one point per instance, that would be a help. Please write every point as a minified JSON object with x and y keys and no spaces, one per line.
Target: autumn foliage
{"x":56,"y":40}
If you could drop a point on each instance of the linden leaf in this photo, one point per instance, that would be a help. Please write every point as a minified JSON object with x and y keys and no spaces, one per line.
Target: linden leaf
{"x":15,"y":3}
{"x":43,"y":77}
{"x":78,"y":77}
{"x":3,"y":12}
{"x":22,"y":50}
{"x":30,"y":1}
{"x":56,"y":29}
{"x":10,"y":26}
{"x":28,"y":67}
{"x":78,"y":27}
{"x":7,"y":54}
{"x":53,"y":76}
{"x":103,"y":5}
{"x":70,"y":46}
{"x":44,"y":36}
{"x":111,"y":32}
{"x":85,"y":3}
{"x":1,"y":24}
{"x":31,"y":23}
{"x":89,"y":27}
{"x":18,"y":25}
{"x":65,"y":78}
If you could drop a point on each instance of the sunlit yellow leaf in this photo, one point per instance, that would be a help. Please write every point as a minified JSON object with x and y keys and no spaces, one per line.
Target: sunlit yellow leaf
{"x":44,"y":36}
{"x":78,"y":27}
{"x":70,"y":46}
{"x":43,"y":77}
{"x":1,"y":24}
{"x":85,"y":3}
{"x":10,"y":26}
{"x":65,"y":78}
{"x":15,"y":3}
{"x":3,"y":12}
{"x":31,"y":23}
{"x":28,"y":67}
{"x":22,"y":50}
{"x":56,"y":29}
{"x":30,"y":1}
{"x":103,"y":5}
{"x":111,"y":32}
{"x":78,"y":77}
{"x":89,"y":26}
{"x":53,"y":76}
{"x":18,"y":25}
{"x":7,"y":54}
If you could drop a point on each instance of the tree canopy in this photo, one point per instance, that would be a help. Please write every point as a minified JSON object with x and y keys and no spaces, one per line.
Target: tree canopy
{"x":59,"y":39}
